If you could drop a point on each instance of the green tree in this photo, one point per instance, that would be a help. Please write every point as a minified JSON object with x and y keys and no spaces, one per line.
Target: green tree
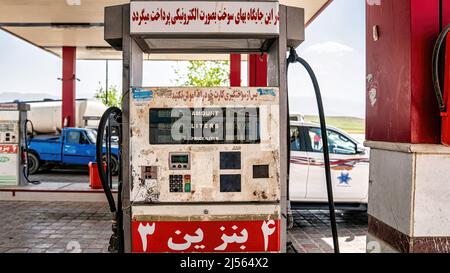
{"x":204,"y":74}
{"x":114,"y":97}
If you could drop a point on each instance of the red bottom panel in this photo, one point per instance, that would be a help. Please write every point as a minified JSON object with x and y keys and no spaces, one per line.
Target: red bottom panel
{"x":227,"y":236}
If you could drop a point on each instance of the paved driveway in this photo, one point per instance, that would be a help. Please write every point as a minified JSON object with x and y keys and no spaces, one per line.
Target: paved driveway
{"x":72,"y":175}
{"x":54,"y":227}
{"x":312,"y":231}
{"x":86,"y":227}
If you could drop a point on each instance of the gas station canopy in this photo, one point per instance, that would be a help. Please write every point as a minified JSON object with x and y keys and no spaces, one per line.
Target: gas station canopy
{"x":52,"y":24}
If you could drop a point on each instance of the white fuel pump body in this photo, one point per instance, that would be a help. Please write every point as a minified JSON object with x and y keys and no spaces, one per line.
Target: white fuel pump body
{"x":228,"y":177}
{"x":198,"y":193}
{"x":9,"y":148}
{"x":203,"y":160}
{"x":12,"y":121}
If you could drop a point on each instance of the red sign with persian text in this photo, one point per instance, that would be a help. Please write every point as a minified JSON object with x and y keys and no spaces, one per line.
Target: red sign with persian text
{"x":166,"y":17}
{"x":187,"y":237}
{"x":8,"y":149}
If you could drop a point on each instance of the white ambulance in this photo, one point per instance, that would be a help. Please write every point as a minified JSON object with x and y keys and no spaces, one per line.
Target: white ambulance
{"x":349,"y":168}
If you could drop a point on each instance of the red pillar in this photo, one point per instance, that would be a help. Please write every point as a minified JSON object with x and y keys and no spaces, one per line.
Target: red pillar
{"x":257,"y":70}
{"x":406,"y":177}
{"x":235,"y":70}
{"x":445,"y":126}
{"x":68,"y":86}
{"x":445,"y":12}
{"x":401,"y":105}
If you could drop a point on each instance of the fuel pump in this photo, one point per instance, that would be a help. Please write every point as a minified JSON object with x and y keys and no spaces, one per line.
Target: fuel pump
{"x":443,"y":97}
{"x":204,"y":169}
{"x":13,"y":117}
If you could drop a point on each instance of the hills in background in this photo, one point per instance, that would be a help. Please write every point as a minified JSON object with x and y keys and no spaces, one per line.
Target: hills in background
{"x":350,"y":125}
{"x":343,"y":114}
{"x":12,"y":96}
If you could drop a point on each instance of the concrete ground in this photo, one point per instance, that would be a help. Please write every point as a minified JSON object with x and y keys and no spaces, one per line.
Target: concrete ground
{"x":60,"y":174}
{"x":38,"y":227}
{"x":80,"y":175}
{"x":85,"y":227}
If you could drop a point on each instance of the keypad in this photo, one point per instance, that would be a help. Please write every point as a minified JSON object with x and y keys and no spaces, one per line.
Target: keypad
{"x":176,"y":183}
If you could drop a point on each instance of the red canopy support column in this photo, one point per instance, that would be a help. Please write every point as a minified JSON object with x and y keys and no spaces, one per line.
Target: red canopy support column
{"x":409,"y":168}
{"x":235,"y":70}
{"x":68,"y":86}
{"x":257,"y":70}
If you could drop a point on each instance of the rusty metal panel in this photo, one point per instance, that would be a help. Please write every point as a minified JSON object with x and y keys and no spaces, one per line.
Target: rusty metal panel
{"x":153,"y":185}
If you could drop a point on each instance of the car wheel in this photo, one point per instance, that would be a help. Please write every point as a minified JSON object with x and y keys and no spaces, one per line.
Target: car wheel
{"x":114,"y":165}
{"x":33,"y":163}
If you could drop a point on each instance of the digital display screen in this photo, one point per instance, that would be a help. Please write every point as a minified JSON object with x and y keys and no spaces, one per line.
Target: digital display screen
{"x":179,"y":159}
{"x":172,"y":126}
{"x":6,"y":126}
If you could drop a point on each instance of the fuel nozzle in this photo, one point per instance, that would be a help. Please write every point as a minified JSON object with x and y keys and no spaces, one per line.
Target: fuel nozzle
{"x":293,"y":56}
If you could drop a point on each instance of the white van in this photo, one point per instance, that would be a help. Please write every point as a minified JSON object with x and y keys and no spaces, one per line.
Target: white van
{"x":349,"y":168}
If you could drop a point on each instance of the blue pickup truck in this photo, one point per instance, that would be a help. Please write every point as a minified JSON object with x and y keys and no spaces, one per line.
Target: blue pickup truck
{"x":75,"y":146}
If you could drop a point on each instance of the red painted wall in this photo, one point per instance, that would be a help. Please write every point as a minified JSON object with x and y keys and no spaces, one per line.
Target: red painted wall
{"x":401,"y":106}
{"x":445,"y":6}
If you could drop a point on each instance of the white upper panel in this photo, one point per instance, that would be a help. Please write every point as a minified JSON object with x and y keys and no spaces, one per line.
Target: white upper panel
{"x":200,"y":17}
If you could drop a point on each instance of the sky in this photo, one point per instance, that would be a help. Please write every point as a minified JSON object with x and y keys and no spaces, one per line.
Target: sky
{"x":334,"y":46}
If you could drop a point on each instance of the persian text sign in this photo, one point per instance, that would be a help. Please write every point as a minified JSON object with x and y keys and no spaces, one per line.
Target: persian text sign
{"x":220,"y":236}
{"x":8,"y":149}
{"x":8,"y":164}
{"x":204,"y":17}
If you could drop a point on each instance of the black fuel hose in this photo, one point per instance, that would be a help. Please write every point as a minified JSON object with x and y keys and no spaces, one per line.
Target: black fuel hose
{"x":435,"y":69}
{"x":116,"y":243}
{"x":294,"y":58}
{"x":99,"y":154}
{"x":26,"y":169}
